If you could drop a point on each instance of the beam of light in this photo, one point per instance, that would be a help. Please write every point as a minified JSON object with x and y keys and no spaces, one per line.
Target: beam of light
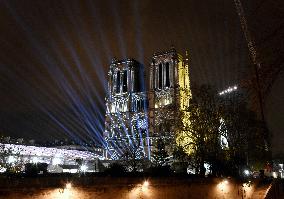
{"x":74,"y":99}
{"x":30,"y":37}
{"x":48,"y":113}
{"x":118,"y":25}
{"x":86,"y":83}
{"x":81,"y":70}
{"x":124,"y":133}
{"x":25,"y":86}
{"x":85,"y":40}
{"x":50,"y":63}
{"x":80,"y":110}
{"x":36,"y":102}
{"x":138,"y":30}
{"x":97,"y":23}
{"x":134,"y":135}
{"x":84,"y":76}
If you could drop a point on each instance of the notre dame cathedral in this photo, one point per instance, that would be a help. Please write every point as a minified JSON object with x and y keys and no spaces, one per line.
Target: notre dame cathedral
{"x":136,"y":116}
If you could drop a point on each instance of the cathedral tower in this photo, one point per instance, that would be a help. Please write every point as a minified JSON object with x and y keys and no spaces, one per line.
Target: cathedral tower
{"x":126,"y":122}
{"x":169,"y":94}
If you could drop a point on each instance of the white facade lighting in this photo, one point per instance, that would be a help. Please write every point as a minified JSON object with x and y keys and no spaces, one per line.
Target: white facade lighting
{"x":11,"y":159}
{"x":35,"y":160}
{"x":56,"y":161}
{"x":83,"y":168}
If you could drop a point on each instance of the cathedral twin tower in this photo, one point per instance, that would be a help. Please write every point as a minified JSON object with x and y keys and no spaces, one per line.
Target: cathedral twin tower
{"x":137,"y":117}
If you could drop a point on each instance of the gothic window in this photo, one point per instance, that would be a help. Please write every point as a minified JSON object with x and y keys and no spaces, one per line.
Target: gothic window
{"x":113,"y":107}
{"x":124,"y":86}
{"x":136,"y":81}
{"x":111,"y":83}
{"x":142,"y":104}
{"x":167,"y":74}
{"x":160,"y":76}
{"x":134,"y":105}
{"x":125,"y":108}
{"x":118,"y":82}
{"x":138,"y":105}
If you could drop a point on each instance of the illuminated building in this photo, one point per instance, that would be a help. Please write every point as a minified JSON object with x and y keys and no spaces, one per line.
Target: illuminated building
{"x":136,"y":116}
{"x":169,"y":95}
{"x":126,"y":124}
{"x":54,"y":157}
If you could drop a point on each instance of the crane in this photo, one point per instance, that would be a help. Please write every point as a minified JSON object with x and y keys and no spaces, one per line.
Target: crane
{"x":255,"y":60}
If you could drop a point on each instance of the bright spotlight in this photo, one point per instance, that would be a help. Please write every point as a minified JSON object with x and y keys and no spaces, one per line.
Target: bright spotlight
{"x":223,"y":185}
{"x":146,"y":184}
{"x":68,"y":186}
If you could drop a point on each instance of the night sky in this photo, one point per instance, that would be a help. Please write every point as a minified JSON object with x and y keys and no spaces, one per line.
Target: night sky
{"x":54,"y":56}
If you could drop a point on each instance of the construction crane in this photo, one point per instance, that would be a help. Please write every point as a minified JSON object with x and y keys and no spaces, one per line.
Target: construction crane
{"x":255,"y":60}
{"x":252,"y":51}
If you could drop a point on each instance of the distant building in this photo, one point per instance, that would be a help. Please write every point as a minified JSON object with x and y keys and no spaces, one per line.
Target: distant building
{"x":58,"y":160}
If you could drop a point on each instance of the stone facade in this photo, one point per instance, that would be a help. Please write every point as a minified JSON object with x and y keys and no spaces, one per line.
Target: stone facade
{"x":126,"y":122}
{"x":134,"y":114}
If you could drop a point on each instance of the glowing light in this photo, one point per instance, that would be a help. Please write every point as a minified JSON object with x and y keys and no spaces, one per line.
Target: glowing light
{"x":146,"y":183}
{"x":56,"y":161}
{"x":246,"y":172}
{"x":35,"y":160}
{"x":11,"y":159}
{"x":83,"y":168}
{"x":2,"y":169}
{"x":68,"y":185}
{"x":184,"y":139}
{"x":207,"y":168}
{"x":274,"y":174}
{"x":228,"y":90}
{"x":248,"y":189}
{"x":223,"y":186}
{"x":223,"y":132}
{"x":70,"y":170}
{"x":145,"y":186}
{"x":24,"y":150}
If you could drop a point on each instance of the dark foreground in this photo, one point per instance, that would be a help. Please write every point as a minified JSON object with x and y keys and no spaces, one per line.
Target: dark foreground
{"x":84,"y":187}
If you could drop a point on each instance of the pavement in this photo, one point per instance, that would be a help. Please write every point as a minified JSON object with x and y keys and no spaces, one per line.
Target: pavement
{"x":260,"y":192}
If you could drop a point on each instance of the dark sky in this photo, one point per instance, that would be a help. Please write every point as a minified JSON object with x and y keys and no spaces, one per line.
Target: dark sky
{"x":54,"y":56}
